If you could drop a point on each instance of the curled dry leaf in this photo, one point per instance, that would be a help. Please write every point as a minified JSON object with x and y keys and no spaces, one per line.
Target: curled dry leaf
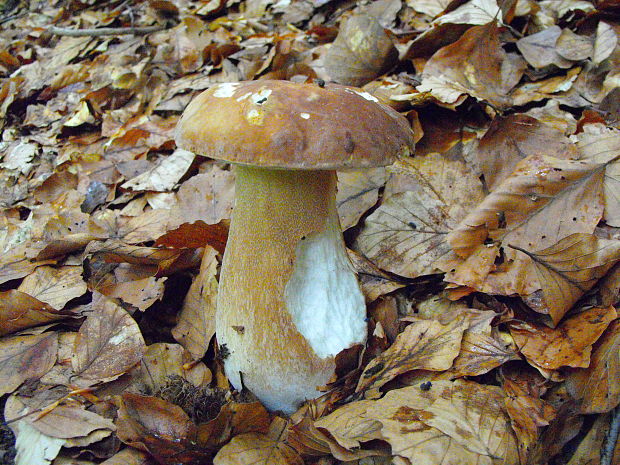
{"x":196,"y":235}
{"x":475,"y":65}
{"x":568,"y":345}
{"x":569,"y":268}
{"x":160,"y":428}
{"x":361,"y":52}
{"x":597,"y":386}
{"x":196,"y":324}
{"x":108,"y":344}
{"x":54,"y":286}
{"x":19,"y":310}
{"x":423,"y":345}
{"x":129,"y":456}
{"x":25,"y":357}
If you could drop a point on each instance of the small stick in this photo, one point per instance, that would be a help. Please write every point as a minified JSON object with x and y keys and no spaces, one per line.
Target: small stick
{"x":104,"y":31}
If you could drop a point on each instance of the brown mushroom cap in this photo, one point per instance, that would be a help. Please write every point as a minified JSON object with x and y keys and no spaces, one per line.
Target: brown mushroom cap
{"x":280,"y":124}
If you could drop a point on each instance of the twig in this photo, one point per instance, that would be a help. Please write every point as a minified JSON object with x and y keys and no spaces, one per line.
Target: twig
{"x":607,"y":454}
{"x":105,"y":31}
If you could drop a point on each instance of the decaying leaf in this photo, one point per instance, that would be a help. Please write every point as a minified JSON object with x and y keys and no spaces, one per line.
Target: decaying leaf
{"x":361,"y":52}
{"x":357,"y":192}
{"x":141,"y":293}
{"x":108,"y":344}
{"x":257,"y":448}
{"x":568,"y":269}
{"x":597,"y":386}
{"x":55,"y":287}
{"x":423,"y":345}
{"x":19,"y":310}
{"x":196,"y":325}
{"x":25,"y":357}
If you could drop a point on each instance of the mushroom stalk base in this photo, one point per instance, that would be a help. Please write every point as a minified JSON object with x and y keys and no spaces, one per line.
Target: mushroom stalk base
{"x":288,"y":299}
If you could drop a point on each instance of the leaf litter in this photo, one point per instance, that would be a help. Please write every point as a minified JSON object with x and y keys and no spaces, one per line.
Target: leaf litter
{"x":488,"y":261}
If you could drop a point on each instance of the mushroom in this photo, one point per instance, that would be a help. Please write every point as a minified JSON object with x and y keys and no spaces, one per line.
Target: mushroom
{"x":288,"y":299}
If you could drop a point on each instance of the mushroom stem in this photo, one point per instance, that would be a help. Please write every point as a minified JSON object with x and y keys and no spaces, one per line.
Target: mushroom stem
{"x":288,"y":298}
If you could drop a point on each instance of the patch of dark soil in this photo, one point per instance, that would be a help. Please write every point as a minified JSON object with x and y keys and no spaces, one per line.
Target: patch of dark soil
{"x":7,"y":439}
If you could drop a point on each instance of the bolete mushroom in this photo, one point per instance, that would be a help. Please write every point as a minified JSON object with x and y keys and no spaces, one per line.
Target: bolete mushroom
{"x":288,"y":299}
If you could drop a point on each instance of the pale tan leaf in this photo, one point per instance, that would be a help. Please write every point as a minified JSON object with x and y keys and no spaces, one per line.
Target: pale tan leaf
{"x":25,"y":357}
{"x":55,"y":286}
{"x":573,"y":46}
{"x":165,"y":175}
{"x":350,"y":426}
{"x":361,"y":52}
{"x":357,"y":192}
{"x":129,"y":456}
{"x":423,"y":345}
{"x":147,"y":227}
{"x":196,"y":325}
{"x":141,"y":293}
{"x":539,"y":49}
{"x":205,"y":197}
{"x":570,"y":268}
{"x":597,"y":386}
{"x":604,"y":43}
{"x":108,"y":344}
{"x":540,"y":188}
{"x":477,"y":12}
{"x":64,"y":421}
{"x":429,"y":7}
{"x":256,"y":449}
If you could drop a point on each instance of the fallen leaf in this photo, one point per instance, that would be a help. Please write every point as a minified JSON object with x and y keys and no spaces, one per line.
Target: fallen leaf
{"x":196,"y":324}
{"x":569,"y":268}
{"x":253,"y":448}
{"x":573,"y":46}
{"x":108,"y":344}
{"x":477,"y":12}
{"x":357,"y":192}
{"x":165,"y":175}
{"x":19,"y":310}
{"x":475,"y":65}
{"x":54,"y":286}
{"x":361,"y":52}
{"x":604,"y":43}
{"x":596,"y":386}
{"x":26,"y":357}
{"x":539,"y":49}
{"x":129,"y":456}
{"x":141,"y":293}
{"x":423,"y":345}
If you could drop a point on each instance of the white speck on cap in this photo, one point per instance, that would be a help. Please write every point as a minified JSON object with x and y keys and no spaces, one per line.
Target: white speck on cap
{"x":259,"y":97}
{"x":304,"y":115}
{"x":244,"y":96}
{"x":225,"y":90}
{"x":365,"y":95}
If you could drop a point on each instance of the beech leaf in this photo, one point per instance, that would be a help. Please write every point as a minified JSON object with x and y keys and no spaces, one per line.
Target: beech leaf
{"x":256,"y":449}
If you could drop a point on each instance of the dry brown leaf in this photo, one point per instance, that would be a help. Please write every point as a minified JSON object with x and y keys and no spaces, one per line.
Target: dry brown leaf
{"x":361,"y":52}
{"x":26,"y":357}
{"x":196,"y":235}
{"x":15,"y":265}
{"x":373,"y":281}
{"x":481,"y":349}
{"x":423,"y":345}
{"x":63,"y":422}
{"x":539,"y":49}
{"x":160,"y":428}
{"x":196,"y":324}
{"x":568,"y":345}
{"x":476,"y":12}
{"x":461,"y":422}
{"x":528,"y":414}
{"x":54,"y":286}
{"x":573,"y":47}
{"x":604,"y":43}
{"x":597,"y":386}
{"x":161,"y":361}
{"x":569,"y":268}
{"x":358,"y":191}
{"x":147,"y":227}
{"x":129,"y":456}
{"x":108,"y":344}
{"x":19,"y":311}
{"x":540,"y":188}
{"x":205,"y":197}
{"x":545,"y":88}
{"x":475,"y":65}
{"x":141,"y":293}
{"x":406,"y":234}
{"x":512,"y":138}
{"x":256,"y":448}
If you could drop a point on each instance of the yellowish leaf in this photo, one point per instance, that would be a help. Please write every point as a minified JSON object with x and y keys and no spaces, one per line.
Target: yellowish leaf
{"x":55,"y":286}
{"x":256,"y":449}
